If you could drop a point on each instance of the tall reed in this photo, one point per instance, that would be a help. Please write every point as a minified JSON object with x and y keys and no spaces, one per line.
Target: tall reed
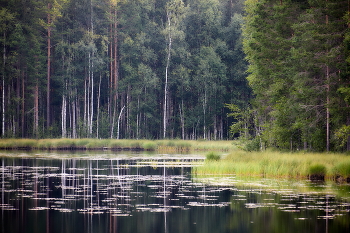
{"x":278,"y":164}
{"x":162,"y":146}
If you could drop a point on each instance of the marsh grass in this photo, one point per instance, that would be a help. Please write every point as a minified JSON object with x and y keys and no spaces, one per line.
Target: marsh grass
{"x":342,"y":171}
{"x":213,"y":156}
{"x":279,"y":165}
{"x":162,"y":146}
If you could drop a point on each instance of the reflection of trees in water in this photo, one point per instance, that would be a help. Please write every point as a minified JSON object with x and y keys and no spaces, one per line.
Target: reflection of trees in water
{"x":153,"y":195}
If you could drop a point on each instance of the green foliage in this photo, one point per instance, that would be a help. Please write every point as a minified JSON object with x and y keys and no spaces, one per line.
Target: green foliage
{"x":252,"y":145}
{"x":213,"y":156}
{"x":242,"y":121}
{"x":108,"y":54}
{"x":149,"y":146}
{"x":342,"y":135}
{"x":317,"y":170}
{"x":342,"y":169}
{"x":297,"y":70}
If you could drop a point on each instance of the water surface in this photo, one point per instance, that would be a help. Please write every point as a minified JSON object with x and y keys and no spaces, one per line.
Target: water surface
{"x":106,"y":192}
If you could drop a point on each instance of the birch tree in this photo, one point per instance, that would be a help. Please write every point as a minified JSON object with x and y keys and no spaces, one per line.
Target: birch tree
{"x":175,"y":12}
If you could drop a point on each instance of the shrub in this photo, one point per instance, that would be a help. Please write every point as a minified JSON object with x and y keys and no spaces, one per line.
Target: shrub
{"x":342,"y":171}
{"x":317,"y":172}
{"x":252,"y":145}
{"x":149,"y":146}
{"x":213,"y":156}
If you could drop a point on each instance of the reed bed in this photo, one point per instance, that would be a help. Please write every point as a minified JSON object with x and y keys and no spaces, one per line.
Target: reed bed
{"x":161,"y":146}
{"x":276,"y":164}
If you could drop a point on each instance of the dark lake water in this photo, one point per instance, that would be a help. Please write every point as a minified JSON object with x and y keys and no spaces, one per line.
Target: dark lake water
{"x":157,"y":193}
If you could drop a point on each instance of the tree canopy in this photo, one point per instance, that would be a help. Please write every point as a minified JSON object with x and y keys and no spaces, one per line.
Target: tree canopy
{"x":297,"y":53}
{"x":121,"y":68}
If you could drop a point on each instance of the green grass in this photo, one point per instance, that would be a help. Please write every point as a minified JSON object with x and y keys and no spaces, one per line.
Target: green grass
{"x":164,"y":146}
{"x":213,"y":156}
{"x":278,"y":165}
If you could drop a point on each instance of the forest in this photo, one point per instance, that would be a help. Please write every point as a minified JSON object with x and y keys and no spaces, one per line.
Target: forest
{"x":272,"y":72}
{"x":298,"y":54}
{"x":120,"y":68}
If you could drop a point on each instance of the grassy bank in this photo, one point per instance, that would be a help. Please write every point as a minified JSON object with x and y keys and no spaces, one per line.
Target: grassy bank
{"x":318,"y":166}
{"x":162,"y":146}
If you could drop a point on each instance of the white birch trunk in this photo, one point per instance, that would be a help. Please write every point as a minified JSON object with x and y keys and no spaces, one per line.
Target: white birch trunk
{"x":92,"y":97}
{"x":85,"y":108}
{"x":98,"y":107}
{"x":120,"y":114}
{"x":88,"y":97}
{"x":165,"y":115}
{"x":64,"y":117}
{"x":74,"y":133}
{"x":92,"y":74}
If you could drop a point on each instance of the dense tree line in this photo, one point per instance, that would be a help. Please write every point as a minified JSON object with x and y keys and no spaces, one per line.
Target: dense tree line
{"x":120,"y":68}
{"x":298,"y":53}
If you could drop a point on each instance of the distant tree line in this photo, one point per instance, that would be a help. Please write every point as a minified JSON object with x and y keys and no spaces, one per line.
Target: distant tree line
{"x":298,"y":54}
{"x":121,"y":68}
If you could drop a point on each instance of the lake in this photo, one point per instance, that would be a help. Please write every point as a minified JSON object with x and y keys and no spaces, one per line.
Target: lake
{"x":111,"y":192}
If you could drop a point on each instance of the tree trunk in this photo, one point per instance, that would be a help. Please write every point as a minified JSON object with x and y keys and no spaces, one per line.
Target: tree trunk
{"x":98,"y":107}
{"x":3,"y":88}
{"x":92,"y":98}
{"x":64,"y":117}
{"x":91,"y":62}
{"x":138,"y":116}
{"x":114,"y":67}
{"x":48,"y":68}
{"x":204,"y":113}
{"x":327,"y":101}
{"x":85,"y":108}
{"x":120,"y":114}
{"x":348,"y":143}
{"x":36,"y":110}
{"x":182,"y":119}
{"x":74,"y":116}
{"x":165,"y":106}
{"x":23,"y":104}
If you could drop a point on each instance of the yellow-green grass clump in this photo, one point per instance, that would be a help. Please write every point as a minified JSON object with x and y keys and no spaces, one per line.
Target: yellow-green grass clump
{"x":213,"y":156}
{"x":278,"y":164}
{"x":17,"y":143}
